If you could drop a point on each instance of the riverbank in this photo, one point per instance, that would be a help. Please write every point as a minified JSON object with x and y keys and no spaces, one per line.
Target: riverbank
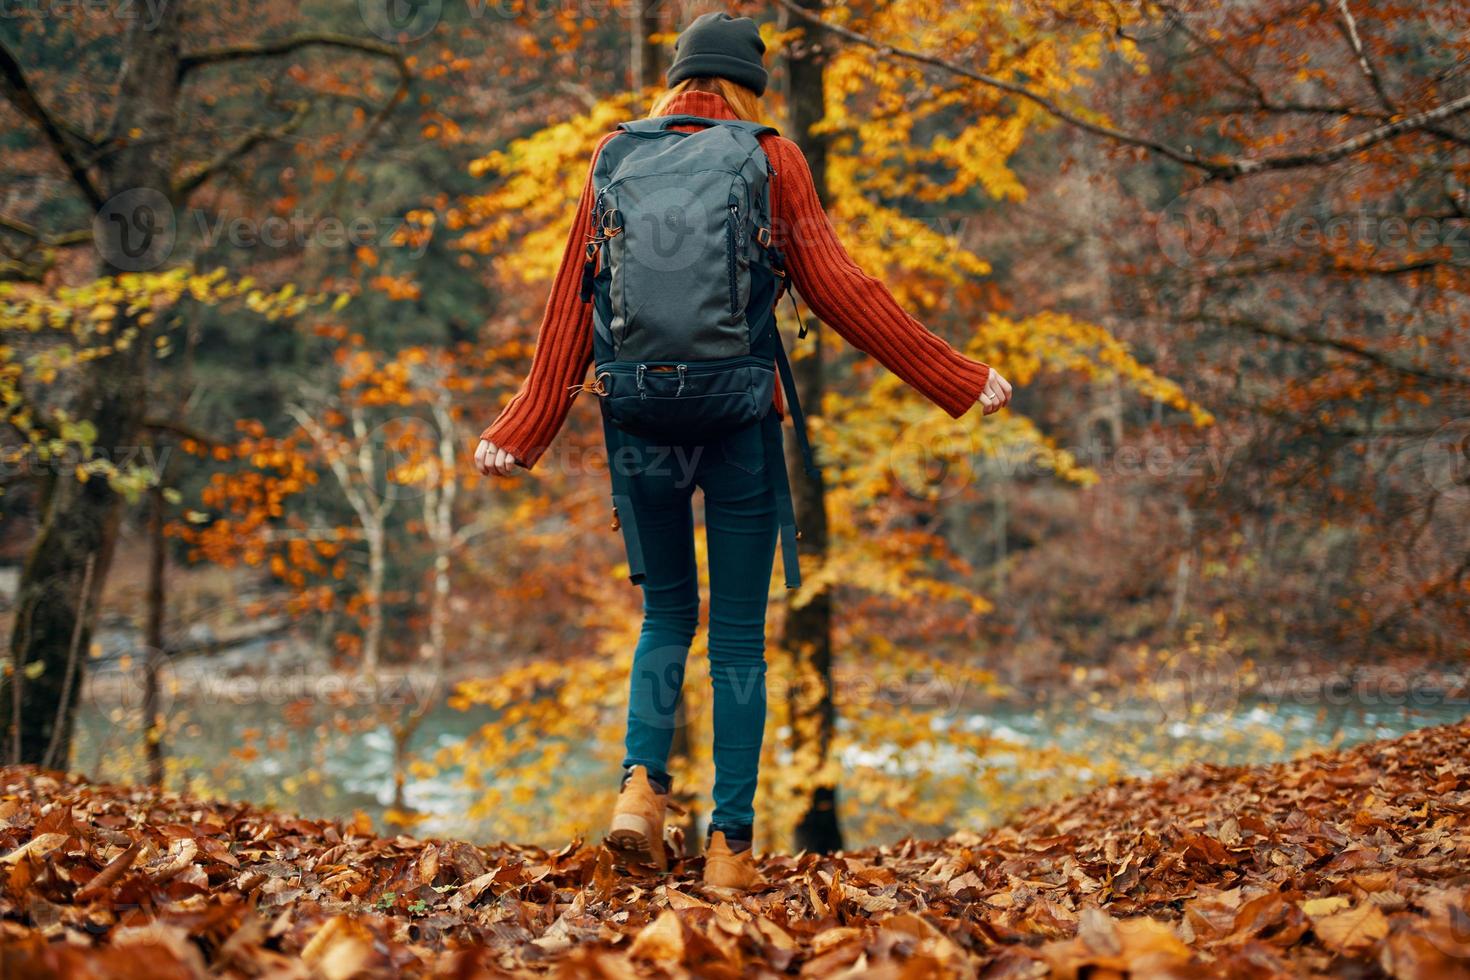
{"x":322,"y":743}
{"x":1353,"y":863}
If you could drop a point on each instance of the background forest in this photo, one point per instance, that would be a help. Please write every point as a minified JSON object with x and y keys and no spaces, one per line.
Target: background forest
{"x":266,"y":271}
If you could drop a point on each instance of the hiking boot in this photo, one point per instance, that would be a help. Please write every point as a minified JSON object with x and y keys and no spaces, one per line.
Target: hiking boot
{"x":637,"y":832}
{"x":724,"y":868}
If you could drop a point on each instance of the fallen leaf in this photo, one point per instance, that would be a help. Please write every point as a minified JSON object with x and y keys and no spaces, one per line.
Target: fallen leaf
{"x":1353,"y":929}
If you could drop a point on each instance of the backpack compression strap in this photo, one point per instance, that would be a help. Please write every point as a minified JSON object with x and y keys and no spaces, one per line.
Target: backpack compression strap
{"x":783,"y":364}
{"x":775,"y":461}
{"x":770,"y":429}
{"x":624,"y":518}
{"x":798,"y":417}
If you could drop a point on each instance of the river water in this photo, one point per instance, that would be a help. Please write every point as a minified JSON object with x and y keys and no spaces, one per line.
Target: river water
{"x":322,"y":760}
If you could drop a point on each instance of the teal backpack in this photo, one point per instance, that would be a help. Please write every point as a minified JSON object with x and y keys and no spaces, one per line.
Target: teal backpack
{"x":683,"y":279}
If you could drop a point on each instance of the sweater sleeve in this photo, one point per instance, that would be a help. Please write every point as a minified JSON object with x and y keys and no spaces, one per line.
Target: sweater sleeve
{"x":857,"y":306}
{"x":533,"y":417}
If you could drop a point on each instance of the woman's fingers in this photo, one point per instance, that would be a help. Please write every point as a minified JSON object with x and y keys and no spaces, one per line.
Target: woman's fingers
{"x":491,"y":459}
{"x":997,"y":393}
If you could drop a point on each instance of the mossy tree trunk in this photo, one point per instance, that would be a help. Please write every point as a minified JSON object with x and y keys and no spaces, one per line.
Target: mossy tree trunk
{"x":79,"y":520}
{"x":808,"y":630}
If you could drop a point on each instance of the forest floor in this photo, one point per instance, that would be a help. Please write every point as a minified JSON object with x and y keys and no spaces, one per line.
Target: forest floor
{"x":1350,"y":864}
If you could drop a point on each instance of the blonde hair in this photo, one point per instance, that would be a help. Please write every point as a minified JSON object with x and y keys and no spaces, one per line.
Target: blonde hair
{"x":743,"y":101}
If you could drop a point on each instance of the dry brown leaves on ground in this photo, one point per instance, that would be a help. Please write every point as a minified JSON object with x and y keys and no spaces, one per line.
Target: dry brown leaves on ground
{"x":1354,"y":864}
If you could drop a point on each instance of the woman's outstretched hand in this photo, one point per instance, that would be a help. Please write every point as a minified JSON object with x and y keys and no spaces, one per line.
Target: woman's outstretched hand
{"x":490,"y":458}
{"x":997,"y":393}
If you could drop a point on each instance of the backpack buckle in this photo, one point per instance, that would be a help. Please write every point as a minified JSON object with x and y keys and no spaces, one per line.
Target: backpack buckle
{"x":763,"y":235}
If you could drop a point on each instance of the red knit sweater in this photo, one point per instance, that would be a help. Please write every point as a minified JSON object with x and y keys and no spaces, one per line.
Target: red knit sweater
{"x":857,"y":306}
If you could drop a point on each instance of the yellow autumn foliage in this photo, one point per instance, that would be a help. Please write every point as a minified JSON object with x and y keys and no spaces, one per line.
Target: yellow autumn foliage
{"x":910,"y":166}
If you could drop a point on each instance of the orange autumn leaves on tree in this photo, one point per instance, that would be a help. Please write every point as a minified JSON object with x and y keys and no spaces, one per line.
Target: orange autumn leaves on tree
{"x":1330,"y":299}
{"x":377,"y":440}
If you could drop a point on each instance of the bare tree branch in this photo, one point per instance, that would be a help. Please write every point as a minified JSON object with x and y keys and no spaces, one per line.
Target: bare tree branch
{"x":242,"y":145}
{"x":1218,"y":168}
{"x":1346,"y":112}
{"x":1338,"y":151}
{"x":23,"y":264}
{"x":1443,"y":584}
{"x":1350,"y":347}
{"x":1326,"y":267}
{"x":270,"y":49}
{"x":64,"y":240}
{"x":18,"y":92}
{"x":190,"y":61}
{"x":182,"y":430}
{"x":1217,"y":56}
{"x":1350,"y":28}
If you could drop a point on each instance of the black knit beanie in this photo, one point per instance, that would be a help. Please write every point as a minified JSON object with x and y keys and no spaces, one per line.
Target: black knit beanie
{"x":718,"y":44}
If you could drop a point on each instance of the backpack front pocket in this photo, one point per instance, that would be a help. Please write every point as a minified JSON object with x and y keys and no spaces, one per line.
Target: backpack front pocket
{"x":686,"y":402}
{"x":676,"y":248}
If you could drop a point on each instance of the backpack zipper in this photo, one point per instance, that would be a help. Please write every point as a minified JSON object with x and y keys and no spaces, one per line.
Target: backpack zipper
{"x":731,"y":239}
{"x":611,"y":184}
{"x":692,"y":370}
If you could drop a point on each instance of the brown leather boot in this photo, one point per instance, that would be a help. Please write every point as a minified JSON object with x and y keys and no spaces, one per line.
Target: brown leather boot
{"x":637,"y":832}
{"x":725,"y":869}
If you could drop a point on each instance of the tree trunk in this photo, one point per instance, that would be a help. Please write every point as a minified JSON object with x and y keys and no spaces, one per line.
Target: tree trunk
{"x":153,"y":638}
{"x":808,"y":631}
{"x":79,"y":519}
{"x":372,"y":637}
{"x":1000,"y":530}
{"x":439,"y":497}
{"x":645,"y":58}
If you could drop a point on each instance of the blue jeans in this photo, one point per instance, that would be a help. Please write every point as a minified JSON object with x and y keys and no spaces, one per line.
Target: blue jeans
{"x":740,"y":532}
